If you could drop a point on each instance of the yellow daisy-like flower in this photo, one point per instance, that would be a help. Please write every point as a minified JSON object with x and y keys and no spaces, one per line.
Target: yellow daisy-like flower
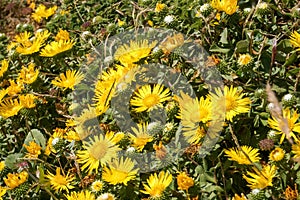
{"x":159,"y":7}
{"x":141,"y":136}
{"x":228,"y":6}
{"x":83,"y":195}
{"x":33,"y":149}
{"x":244,"y":59}
{"x":147,"y":98}
{"x":72,"y":135}
{"x":99,"y":150}
{"x":62,"y":35}
{"x":260,"y":179}
{"x":14,"y":88}
{"x":10,"y":107}
{"x":68,"y":79}
{"x":15,"y":180}
{"x":193,"y":135}
{"x":239,"y":156}
{"x":292,"y":124}
{"x":97,"y":186}
{"x":129,"y":54}
{"x":56,"y":47}
{"x":277,"y":154}
{"x":4,"y":67}
{"x":184,"y":182}
{"x":2,"y":192}
{"x":43,"y":12}
{"x":231,"y":101}
{"x":28,"y":75}
{"x":60,"y":182}
{"x":57,"y":134}
{"x":157,"y":184}
{"x":26,"y":46}
{"x":295,"y":40}
{"x":27,"y":101}
{"x":238,"y":197}
{"x":106,"y":196}
{"x":119,"y":171}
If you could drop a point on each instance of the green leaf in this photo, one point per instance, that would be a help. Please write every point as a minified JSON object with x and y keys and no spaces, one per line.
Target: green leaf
{"x":12,"y":160}
{"x":215,"y":48}
{"x":37,"y":136}
{"x":290,"y":60}
{"x":224,"y":36}
{"x":285,"y":46}
{"x":242,"y":46}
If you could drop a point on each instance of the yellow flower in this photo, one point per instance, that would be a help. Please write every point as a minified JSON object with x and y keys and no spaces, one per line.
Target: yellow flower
{"x":193,"y":135}
{"x":106,"y":196}
{"x":129,"y":54}
{"x":14,"y":180}
{"x":244,"y":59}
{"x":43,"y":12}
{"x":261,"y":179}
{"x":27,"y":101}
{"x":292,"y":124}
{"x":141,"y":136}
{"x":26,"y":46}
{"x":277,"y":154}
{"x":228,"y":6}
{"x":60,"y":182}
{"x":171,"y":43}
{"x":99,"y":150}
{"x":160,"y":150}
{"x":159,"y":7}
{"x":10,"y":107}
{"x":115,"y":138}
{"x":28,"y":75}
{"x":72,"y":135}
{"x":83,"y":195}
{"x":231,"y":101}
{"x":62,"y":35}
{"x":34,"y":150}
{"x":2,"y":165}
{"x":184,"y":182}
{"x":2,"y":192}
{"x":14,"y":88}
{"x":239,"y":156}
{"x":4,"y":67}
{"x":295,"y":40}
{"x":147,"y":98}
{"x":56,"y":47}
{"x":120,"y":22}
{"x":237,"y":197}
{"x":157,"y":184}
{"x":97,"y":186}
{"x":68,"y":80}
{"x":57,"y":134}
{"x":150,"y":23}
{"x":119,"y":171}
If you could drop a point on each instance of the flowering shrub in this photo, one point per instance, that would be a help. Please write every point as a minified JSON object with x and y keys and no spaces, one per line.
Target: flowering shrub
{"x":149,"y":100}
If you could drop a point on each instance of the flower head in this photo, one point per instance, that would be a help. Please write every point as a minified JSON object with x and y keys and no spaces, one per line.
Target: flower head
{"x":231,"y":101}
{"x":293,"y":126}
{"x":169,"y":19}
{"x":57,"y":47}
{"x":277,"y":154}
{"x":3,"y":67}
{"x":295,"y":40}
{"x":10,"y":107}
{"x":244,"y":59}
{"x":157,"y":184}
{"x":99,"y":150}
{"x":28,"y":74}
{"x":106,"y":196}
{"x":147,"y":98}
{"x":159,"y":7}
{"x":60,"y":182}
{"x":62,"y":35}
{"x":68,"y":79}
{"x":184,"y":181}
{"x":141,"y":136}
{"x":119,"y":171}
{"x":238,"y":197}
{"x":97,"y":186}
{"x":260,"y":179}
{"x":240,"y":157}
{"x":136,"y":50}
{"x":43,"y":12}
{"x":33,"y":149}
{"x":228,"y":6}
{"x":14,"y":180}
{"x":27,"y":101}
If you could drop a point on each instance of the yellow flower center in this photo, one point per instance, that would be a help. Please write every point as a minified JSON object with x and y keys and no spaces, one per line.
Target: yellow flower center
{"x":60,"y":180}
{"x":120,"y":175}
{"x":99,"y":151}
{"x":151,"y":100}
{"x":230,"y":103}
